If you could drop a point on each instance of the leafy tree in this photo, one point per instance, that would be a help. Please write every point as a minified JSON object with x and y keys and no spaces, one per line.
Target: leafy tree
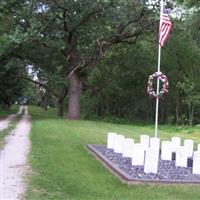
{"x":117,"y":87}
{"x":191,"y":97}
{"x":81,"y":31}
{"x":11,"y":87}
{"x":190,"y":3}
{"x":180,"y":61}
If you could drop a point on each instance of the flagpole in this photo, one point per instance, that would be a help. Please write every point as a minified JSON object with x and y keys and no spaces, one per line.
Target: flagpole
{"x":158,"y":81}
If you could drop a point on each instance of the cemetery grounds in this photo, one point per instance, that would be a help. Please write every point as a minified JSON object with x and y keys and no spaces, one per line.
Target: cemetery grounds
{"x":63,"y":169}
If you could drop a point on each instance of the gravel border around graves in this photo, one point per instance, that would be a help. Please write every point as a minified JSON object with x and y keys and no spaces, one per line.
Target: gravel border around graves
{"x":167,"y":171}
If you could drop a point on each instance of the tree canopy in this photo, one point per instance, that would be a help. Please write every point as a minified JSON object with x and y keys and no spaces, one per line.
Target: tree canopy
{"x":94,"y":57}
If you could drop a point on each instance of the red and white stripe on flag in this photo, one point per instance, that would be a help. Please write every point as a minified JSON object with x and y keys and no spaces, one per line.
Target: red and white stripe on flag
{"x":165,"y":28}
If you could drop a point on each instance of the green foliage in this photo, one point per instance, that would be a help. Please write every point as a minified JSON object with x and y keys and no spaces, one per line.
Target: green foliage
{"x":190,"y":3}
{"x":31,"y":91}
{"x":119,"y":81}
{"x":55,"y":37}
{"x":191,"y":91}
{"x":117,"y":88}
{"x":11,"y":84}
{"x":5,"y":113}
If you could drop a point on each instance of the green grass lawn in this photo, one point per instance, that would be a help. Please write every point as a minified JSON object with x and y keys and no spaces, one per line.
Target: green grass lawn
{"x":64,"y":170}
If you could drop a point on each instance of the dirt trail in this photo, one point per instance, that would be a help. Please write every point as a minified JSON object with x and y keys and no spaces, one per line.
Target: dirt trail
{"x":13,"y":161}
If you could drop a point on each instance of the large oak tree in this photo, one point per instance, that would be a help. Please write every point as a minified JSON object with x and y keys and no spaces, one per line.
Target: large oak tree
{"x":81,"y":31}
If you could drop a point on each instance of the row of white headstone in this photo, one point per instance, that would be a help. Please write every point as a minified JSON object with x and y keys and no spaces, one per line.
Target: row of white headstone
{"x":147,"y":152}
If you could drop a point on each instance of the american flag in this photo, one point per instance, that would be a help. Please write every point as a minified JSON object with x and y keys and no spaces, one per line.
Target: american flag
{"x":165,"y":27}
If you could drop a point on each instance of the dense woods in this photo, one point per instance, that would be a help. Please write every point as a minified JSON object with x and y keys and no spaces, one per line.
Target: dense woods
{"x":92,"y":58}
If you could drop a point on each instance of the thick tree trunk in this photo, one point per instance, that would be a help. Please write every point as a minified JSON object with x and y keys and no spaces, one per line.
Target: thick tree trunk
{"x":60,"y":103}
{"x":74,"y":92}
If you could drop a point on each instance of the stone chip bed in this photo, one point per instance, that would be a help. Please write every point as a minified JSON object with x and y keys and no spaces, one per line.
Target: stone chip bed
{"x":167,"y":171}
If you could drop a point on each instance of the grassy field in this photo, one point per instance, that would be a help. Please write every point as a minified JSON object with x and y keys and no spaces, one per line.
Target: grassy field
{"x":64,"y":170}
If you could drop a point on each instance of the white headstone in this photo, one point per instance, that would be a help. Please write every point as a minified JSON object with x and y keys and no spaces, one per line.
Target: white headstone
{"x":196,"y":163}
{"x":144,"y":140}
{"x":127,"y":147}
{"x":166,"y":150}
{"x":118,"y":143}
{"x":176,"y":141}
{"x":198,"y":147}
{"x":111,"y":140}
{"x":181,"y":157}
{"x":155,"y":143}
{"x":151,"y":161}
{"x":189,"y":144}
{"x":138,"y":154}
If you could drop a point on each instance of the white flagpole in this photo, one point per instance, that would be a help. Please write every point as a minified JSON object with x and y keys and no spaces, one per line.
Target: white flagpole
{"x":158,"y":81}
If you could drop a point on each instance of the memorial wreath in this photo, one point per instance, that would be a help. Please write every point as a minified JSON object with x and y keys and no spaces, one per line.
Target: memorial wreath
{"x":150,"y":90}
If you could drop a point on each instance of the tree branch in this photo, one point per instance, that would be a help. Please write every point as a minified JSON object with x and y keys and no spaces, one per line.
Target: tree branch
{"x":103,"y":45}
{"x":66,"y":28}
{"x":39,"y":84}
{"x":124,"y":25}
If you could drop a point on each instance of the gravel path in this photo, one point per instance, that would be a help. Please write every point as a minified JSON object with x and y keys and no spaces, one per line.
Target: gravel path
{"x":13,"y":161}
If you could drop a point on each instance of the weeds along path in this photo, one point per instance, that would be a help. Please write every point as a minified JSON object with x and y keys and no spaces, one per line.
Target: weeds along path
{"x":13,"y":161}
{"x":5,"y":122}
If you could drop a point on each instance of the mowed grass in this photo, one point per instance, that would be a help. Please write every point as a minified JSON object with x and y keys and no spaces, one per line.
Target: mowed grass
{"x":64,"y":170}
